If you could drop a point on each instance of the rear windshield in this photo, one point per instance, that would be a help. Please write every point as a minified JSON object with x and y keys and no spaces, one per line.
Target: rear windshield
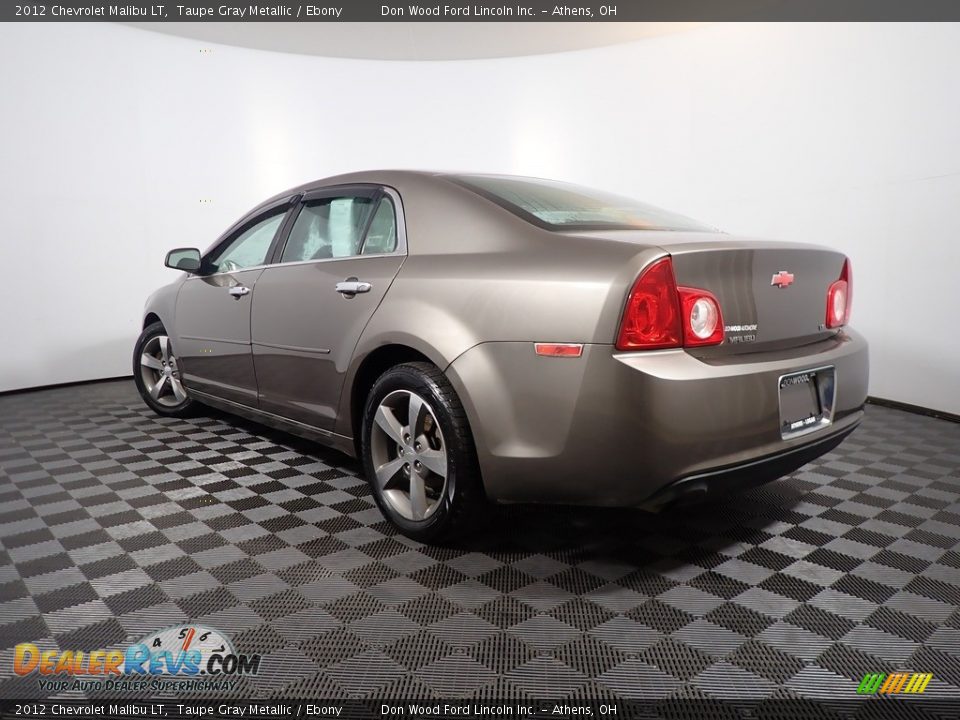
{"x":561,"y":206}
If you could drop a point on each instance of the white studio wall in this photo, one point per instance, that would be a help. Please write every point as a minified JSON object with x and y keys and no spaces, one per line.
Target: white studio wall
{"x":119,"y":143}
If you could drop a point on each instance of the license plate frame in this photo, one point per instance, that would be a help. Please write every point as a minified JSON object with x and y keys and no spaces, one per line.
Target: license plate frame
{"x":806,"y":399}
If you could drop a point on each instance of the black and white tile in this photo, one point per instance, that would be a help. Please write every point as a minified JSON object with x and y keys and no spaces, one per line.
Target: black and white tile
{"x":115,"y":523}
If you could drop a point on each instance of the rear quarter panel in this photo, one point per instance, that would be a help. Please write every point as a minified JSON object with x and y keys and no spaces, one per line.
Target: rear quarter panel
{"x":475,"y":273}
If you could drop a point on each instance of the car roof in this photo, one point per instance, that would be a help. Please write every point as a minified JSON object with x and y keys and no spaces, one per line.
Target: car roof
{"x":394,"y":178}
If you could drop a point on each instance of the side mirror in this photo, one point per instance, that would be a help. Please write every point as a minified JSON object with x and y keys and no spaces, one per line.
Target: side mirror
{"x":186,"y":259}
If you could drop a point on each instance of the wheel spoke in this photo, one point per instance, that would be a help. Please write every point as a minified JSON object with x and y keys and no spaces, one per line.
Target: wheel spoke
{"x":434,"y":460}
{"x":415,"y":415}
{"x":158,"y":387}
{"x":389,"y":423}
{"x":178,"y":391}
{"x":418,"y":497}
{"x":151,"y":362}
{"x":388,"y":471}
{"x":164,"y":347}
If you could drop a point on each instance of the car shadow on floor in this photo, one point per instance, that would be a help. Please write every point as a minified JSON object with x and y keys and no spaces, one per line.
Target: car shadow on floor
{"x":632,"y":535}
{"x":629,"y":536}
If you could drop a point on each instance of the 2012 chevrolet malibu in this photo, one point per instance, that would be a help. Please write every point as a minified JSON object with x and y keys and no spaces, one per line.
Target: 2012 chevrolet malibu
{"x":522,"y":340}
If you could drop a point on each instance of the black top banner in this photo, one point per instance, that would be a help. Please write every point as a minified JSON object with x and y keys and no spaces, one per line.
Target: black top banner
{"x":483,"y":11}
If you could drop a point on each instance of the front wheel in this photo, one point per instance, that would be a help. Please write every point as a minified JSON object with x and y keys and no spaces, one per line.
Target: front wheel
{"x":418,"y":453}
{"x":157,"y":375}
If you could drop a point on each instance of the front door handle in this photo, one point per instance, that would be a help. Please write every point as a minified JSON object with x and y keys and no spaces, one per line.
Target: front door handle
{"x":238,"y":291}
{"x":352,"y":286}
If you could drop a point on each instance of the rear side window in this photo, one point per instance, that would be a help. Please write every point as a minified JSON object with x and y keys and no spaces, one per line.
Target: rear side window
{"x":328,"y":228}
{"x":562,"y":206}
{"x":382,"y":234}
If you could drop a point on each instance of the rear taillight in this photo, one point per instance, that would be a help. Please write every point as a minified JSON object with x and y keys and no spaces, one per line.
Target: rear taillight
{"x":660,"y":315}
{"x":840,"y":297}
{"x":651,"y":319}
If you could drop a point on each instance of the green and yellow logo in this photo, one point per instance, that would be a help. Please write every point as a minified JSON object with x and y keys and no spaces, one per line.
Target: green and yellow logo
{"x":894,"y":683}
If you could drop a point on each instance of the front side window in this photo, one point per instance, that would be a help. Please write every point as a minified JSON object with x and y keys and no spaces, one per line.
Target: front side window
{"x":249,"y":248}
{"x":328,"y":228}
{"x":561,"y":206}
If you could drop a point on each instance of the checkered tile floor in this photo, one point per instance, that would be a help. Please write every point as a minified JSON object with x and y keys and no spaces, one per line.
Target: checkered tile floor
{"x":115,"y":523}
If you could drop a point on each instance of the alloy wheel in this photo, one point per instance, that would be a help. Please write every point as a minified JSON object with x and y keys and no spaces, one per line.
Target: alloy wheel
{"x":160,"y":374}
{"x":409,"y":455}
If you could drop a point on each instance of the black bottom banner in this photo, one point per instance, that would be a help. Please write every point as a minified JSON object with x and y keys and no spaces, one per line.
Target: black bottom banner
{"x":787,"y":708}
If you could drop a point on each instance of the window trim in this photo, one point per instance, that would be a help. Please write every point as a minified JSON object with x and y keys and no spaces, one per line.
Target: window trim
{"x":244,"y":224}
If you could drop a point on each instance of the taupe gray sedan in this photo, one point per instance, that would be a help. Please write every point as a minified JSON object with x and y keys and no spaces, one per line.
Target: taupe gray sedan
{"x":475,"y":337}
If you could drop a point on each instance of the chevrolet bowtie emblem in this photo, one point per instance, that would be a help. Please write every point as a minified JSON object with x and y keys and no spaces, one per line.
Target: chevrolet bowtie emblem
{"x":782,"y":278}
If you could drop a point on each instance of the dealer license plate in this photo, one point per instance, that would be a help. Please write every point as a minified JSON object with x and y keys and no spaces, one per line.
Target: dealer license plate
{"x":802,"y":401}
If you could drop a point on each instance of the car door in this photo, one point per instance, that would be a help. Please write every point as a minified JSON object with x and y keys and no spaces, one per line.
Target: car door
{"x":309,"y":308}
{"x":213,"y":310}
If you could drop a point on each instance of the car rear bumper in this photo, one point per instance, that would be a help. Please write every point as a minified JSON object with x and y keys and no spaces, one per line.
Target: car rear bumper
{"x":622,"y":429}
{"x":746,"y":474}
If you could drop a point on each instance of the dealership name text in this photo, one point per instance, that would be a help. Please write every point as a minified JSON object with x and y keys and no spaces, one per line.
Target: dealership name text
{"x":443,"y":710}
{"x":415,"y":11}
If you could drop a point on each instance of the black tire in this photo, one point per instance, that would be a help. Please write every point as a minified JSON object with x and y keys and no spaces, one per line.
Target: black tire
{"x":168,"y":405}
{"x":462,"y":497}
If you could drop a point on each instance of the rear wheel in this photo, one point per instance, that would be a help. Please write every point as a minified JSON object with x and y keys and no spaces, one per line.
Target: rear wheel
{"x":418,"y":453}
{"x":157,"y":375}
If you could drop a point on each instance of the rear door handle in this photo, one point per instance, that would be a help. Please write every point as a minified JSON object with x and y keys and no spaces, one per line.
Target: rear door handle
{"x":238,"y":291}
{"x":352,"y":286}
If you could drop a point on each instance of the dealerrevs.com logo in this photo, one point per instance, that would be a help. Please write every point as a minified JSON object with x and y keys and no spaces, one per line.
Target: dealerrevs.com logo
{"x":180,"y":658}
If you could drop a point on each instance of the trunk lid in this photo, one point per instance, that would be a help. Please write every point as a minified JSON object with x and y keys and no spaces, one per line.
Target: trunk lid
{"x":772,"y":295}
